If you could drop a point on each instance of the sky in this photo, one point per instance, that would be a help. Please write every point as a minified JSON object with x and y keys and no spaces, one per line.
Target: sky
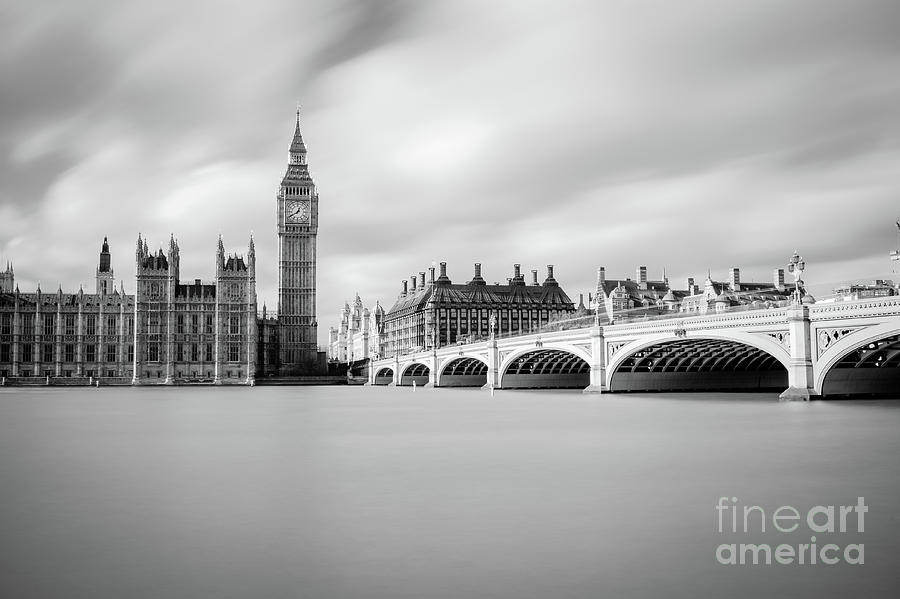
{"x":689,"y":136}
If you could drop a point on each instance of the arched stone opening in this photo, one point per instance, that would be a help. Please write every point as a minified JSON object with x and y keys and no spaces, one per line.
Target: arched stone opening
{"x":415,"y":373}
{"x":464,"y":372}
{"x":547,"y":369}
{"x":700,"y":365}
{"x":873,"y":369}
{"x":384,"y":376}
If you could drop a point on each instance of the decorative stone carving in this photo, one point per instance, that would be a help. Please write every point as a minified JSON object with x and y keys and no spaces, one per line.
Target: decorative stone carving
{"x":825,"y":338}
{"x":585,"y":347}
{"x":615,"y":347}
{"x":782,"y":337}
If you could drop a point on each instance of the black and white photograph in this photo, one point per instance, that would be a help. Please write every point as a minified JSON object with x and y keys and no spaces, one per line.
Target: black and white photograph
{"x":420,"y":299}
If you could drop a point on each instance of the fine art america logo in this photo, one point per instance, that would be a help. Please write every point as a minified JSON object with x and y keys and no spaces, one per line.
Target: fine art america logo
{"x":830,"y":520}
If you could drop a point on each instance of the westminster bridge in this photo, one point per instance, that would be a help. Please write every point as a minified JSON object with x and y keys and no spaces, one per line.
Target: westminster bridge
{"x":806,"y":351}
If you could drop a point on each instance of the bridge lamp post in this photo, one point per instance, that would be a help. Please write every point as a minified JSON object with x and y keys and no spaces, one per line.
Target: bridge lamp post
{"x":796,"y":266}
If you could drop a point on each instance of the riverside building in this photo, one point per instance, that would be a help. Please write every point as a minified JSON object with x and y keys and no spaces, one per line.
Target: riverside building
{"x":616,"y":298}
{"x":169,"y":332}
{"x":435,"y":312}
{"x":197,"y":331}
{"x":64,"y":336}
{"x":173,"y":331}
{"x":359,"y":334}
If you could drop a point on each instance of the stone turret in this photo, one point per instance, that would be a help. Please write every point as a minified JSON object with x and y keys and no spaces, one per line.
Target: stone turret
{"x":106,"y":282}
{"x":7,"y":279}
{"x":220,"y":255}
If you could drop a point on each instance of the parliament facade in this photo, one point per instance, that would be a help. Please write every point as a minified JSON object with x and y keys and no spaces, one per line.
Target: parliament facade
{"x":174,"y":331}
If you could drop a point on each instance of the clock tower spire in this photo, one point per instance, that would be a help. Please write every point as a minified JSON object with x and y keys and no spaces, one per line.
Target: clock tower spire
{"x":297,"y":204}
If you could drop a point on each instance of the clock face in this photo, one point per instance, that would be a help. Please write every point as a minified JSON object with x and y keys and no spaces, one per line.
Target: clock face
{"x":297,"y":212}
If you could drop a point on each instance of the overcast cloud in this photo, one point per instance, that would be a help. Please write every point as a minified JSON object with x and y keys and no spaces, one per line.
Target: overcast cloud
{"x":681,"y":135}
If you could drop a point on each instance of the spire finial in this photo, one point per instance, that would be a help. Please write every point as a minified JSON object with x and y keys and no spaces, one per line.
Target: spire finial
{"x":298,"y":112}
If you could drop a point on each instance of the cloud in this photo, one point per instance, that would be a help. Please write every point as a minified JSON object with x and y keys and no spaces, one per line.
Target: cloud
{"x":693,"y":136}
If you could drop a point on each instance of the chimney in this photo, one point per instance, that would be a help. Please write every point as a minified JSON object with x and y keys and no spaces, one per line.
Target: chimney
{"x":734,"y":279}
{"x":422,"y":279}
{"x":549,"y":271}
{"x":431,"y":271}
{"x":642,"y":276}
{"x":534,"y":280}
{"x":477,"y":279}
{"x":405,"y":283}
{"x":778,"y":277}
{"x":412,"y":283}
{"x":443,"y":270}
{"x":691,"y":288}
{"x":517,"y":271}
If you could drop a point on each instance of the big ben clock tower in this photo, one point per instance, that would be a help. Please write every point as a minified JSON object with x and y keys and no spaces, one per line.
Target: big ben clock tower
{"x":298,"y":223}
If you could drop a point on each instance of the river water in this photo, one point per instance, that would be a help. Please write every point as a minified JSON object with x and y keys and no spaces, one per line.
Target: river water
{"x":352,"y":492}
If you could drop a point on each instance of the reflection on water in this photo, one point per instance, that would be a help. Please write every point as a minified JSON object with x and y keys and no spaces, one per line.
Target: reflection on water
{"x":346,"y":492}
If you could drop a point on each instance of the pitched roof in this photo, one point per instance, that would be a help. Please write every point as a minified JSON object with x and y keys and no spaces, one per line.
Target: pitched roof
{"x":480,"y":294}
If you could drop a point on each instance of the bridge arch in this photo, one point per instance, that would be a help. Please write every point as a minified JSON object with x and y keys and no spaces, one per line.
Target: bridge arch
{"x":546,"y":367}
{"x":463,"y":371}
{"x":508,"y":357}
{"x":415,"y":372}
{"x":714,"y":361}
{"x":835,"y":372}
{"x":384,"y":375}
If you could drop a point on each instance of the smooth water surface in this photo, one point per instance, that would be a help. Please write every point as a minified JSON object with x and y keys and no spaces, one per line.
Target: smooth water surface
{"x":352,"y":492}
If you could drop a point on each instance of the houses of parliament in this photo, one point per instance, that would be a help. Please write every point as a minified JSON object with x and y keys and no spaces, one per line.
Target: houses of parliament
{"x":175,"y":330}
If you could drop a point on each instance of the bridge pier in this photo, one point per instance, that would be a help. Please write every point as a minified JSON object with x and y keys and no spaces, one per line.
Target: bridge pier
{"x":432,"y":370}
{"x":493,"y":373}
{"x":598,"y":362}
{"x":395,"y":378}
{"x":801,"y":385}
